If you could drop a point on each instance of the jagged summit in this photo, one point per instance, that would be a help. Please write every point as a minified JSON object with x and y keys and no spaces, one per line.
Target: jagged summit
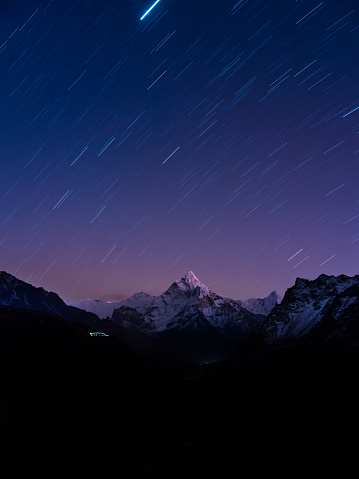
{"x":306,"y":304}
{"x":324,"y":279}
{"x":189,"y":275}
{"x":141,"y":294}
{"x":189,"y":281}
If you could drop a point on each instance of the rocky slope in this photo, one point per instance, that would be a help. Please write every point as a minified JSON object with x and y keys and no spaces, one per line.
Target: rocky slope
{"x":325,"y":305}
{"x":19,"y":294}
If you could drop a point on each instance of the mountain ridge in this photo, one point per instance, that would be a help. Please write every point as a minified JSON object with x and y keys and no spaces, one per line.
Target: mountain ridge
{"x":188,"y":304}
{"x":321,"y":311}
{"x":16,"y":293}
{"x":306,"y":307}
{"x":188,"y":282}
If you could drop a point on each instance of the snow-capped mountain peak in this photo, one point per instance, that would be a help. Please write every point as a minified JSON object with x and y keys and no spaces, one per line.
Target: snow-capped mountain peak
{"x":189,"y":282}
{"x":187,"y":304}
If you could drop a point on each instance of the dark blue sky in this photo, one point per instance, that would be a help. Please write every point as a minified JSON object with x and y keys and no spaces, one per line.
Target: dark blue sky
{"x":218,"y":137}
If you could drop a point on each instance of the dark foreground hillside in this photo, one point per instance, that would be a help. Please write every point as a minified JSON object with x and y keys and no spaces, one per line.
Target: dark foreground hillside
{"x":81,"y":405}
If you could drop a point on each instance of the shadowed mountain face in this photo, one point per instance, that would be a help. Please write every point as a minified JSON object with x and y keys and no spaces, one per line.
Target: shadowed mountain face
{"x":323,"y":310}
{"x":339,"y":324}
{"x":18,"y":294}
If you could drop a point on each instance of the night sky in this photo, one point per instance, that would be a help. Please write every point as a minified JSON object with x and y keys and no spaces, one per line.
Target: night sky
{"x":220,"y":137}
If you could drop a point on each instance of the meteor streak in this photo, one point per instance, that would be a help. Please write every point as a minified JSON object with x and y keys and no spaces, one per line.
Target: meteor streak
{"x":148,"y":11}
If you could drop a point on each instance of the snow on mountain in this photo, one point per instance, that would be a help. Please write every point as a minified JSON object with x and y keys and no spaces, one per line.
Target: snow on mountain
{"x":102,"y":309}
{"x":96,"y":306}
{"x":339,"y":325}
{"x":187,"y":304}
{"x":140,"y":301}
{"x":188,"y":282}
{"x":305,"y":305}
{"x":261,"y":306}
{"x":324,"y":310}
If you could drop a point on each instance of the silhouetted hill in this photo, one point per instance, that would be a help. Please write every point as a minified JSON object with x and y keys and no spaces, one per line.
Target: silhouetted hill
{"x":19,"y":294}
{"x":81,"y":405}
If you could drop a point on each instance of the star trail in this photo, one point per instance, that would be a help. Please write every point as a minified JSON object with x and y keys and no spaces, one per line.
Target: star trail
{"x":140,"y":141}
{"x":148,"y":11}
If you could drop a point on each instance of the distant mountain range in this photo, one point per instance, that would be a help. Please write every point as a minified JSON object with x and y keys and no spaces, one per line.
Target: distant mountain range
{"x":187,"y":304}
{"x":189,"y":316}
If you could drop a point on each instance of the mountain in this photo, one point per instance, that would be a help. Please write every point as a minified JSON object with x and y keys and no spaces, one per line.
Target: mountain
{"x":323,"y":307}
{"x":339,"y":325}
{"x":70,"y":400}
{"x":187,"y":305}
{"x":141,"y":302}
{"x":261,"y":306}
{"x":104,"y":310}
{"x":189,"y":319}
{"x":187,"y":323}
{"x":19,"y":294}
{"x":95,"y":306}
{"x":26,"y":300}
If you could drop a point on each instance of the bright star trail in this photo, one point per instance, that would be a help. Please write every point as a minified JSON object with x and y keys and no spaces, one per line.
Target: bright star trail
{"x":148,"y":11}
{"x":217,"y":137}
